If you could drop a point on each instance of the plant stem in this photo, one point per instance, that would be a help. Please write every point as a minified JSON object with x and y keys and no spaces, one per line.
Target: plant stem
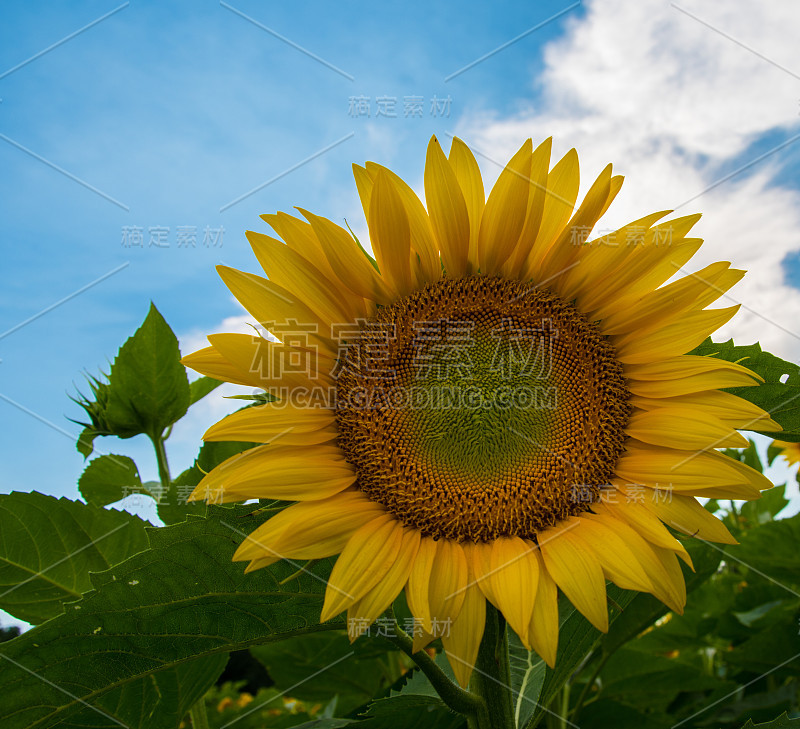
{"x":463,"y":702}
{"x":491,"y":678}
{"x":198,"y":714}
{"x":163,"y":465}
{"x":565,"y":705}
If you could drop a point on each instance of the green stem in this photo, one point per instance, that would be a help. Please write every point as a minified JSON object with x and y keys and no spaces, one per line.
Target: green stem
{"x":491,"y":678}
{"x":198,"y":714}
{"x":161,"y":458}
{"x":460,"y":701}
{"x":565,"y":705}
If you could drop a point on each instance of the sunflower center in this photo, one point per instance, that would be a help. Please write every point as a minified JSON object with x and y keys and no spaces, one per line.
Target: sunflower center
{"x":481,"y":407}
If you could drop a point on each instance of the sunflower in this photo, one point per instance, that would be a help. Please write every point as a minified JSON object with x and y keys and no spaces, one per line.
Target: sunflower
{"x":790,"y":451}
{"x":493,"y":408}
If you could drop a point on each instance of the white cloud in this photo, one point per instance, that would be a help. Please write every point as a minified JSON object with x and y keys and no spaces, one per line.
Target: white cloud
{"x":676,"y":106}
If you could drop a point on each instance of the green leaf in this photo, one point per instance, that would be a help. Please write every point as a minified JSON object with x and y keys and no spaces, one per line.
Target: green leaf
{"x":148,"y":383}
{"x":85,"y":442}
{"x":780,"y":399}
{"x":653,"y":681}
{"x":147,"y":388}
{"x":181,"y":600}
{"x":773,"y":452}
{"x":157,"y":701}
{"x":201,"y":387}
{"x":765,"y":509}
{"x":782,"y":722}
{"x":337,"y":668}
{"x":775,"y":646}
{"x":605,"y":713}
{"x":49,"y":546}
{"x":771,"y":550}
{"x":400,"y":712}
{"x":527,"y":676}
{"x":108,"y":479}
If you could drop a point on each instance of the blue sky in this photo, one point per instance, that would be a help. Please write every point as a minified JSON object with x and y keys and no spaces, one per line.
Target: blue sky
{"x":166,"y":113}
{"x":174,"y":110}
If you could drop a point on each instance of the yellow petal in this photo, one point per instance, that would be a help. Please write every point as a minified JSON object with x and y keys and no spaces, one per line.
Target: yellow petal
{"x":290,"y":270}
{"x":363,"y":563}
{"x":361,"y":614}
{"x":654,"y":254}
{"x":676,"y":585}
{"x":364,"y":186}
{"x":275,"y":367}
{"x":504,"y":215}
{"x":447,"y":210}
{"x":390,"y":234}
{"x":422,"y":638}
{"x":576,"y":571}
{"x":299,"y":235}
{"x":310,"y":529}
{"x":417,"y":590}
{"x":715,"y":289}
{"x":567,"y":245}
{"x":614,"y":188}
{"x":268,"y":422}
{"x":644,"y":269}
{"x":674,"y":368}
{"x":613,"y":549}
{"x":462,"y":641}
{"x":686,"y":429}
{"x":469,"y":179}
{"x":520,"y":265}
{"x":275,"y":308}
{"x":687,"y":515}
{"x":629,"y":560}
{"x":563,"y":182}
{"x":701,"y":473}
{"x":666,"y":303}
{"x":208,"y":361}
{"x":544,"y":620}
{"x":700,"y":374}
{"x":515,"y":574}
{"x":674,"y":339}
{"x":349,"y":262}
{"x":448,"y":584}
{"x":278,"y":472}
{"x":667,"y":236}
{"x":731,"y":409}
{"x":422,"y":244}
{"x":604,"y":258}
{"x":479,"y":557}
{"x":643,"y":521}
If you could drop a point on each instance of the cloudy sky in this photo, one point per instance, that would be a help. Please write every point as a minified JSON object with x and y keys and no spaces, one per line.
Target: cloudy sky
{"x":184,"y":121}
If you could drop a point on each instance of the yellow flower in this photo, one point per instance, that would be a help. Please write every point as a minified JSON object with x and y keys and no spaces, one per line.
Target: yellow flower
{"x":492,"y":409}
{"x":790,"y":451}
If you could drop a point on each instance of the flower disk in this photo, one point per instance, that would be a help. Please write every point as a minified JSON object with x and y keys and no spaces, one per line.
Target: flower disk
{"x":480,"y":407}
